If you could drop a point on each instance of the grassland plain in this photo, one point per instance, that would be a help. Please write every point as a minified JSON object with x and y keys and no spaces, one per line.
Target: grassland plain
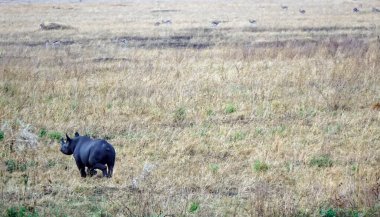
{"x":275,"y":118}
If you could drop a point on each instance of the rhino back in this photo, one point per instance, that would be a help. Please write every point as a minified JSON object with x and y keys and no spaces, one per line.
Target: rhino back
{"x":102,"y":152}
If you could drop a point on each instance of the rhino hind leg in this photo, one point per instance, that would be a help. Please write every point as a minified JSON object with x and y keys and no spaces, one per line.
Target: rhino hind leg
{"x":110,"y":171}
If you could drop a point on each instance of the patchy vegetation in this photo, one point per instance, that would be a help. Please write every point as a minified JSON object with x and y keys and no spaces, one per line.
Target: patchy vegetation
{"x":1,"y":135}
{"x":259,"y":166}
{"x":321,"y":161}
{"x":54,"y":135}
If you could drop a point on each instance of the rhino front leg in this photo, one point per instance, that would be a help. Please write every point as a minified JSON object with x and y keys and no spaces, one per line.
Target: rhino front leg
{"x":82,"y":169}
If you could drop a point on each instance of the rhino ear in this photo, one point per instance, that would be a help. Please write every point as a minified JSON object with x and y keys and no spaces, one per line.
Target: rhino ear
{"x":76,"y":134}
{"x":68,"y":138}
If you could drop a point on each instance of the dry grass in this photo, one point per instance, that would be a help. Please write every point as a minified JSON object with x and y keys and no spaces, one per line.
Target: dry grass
{"x":278,"y":119}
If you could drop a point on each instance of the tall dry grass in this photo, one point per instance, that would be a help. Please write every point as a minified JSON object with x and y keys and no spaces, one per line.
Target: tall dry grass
{"x":272,"y":120}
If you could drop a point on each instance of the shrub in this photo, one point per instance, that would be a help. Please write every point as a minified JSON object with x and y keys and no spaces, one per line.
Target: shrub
{"x":301,"y":213}
{"x":42,"y":133}
{"x":21,"y":211}
{"x":1,"y":135}
{"x":214,"y":167}
{"x":12,"y":212}
{"x":259,"y":166}
{"x":194,"y":206}
{"x":179,"y":115}
{"x":11,"y":165}
{"x":328,"y":213}
{"x":22,"y":166}
{"x":74,"y":105}
{"x":54,"y":135}
{"x":109,"y":105}
{"x":210,"y":112}
{"x":230,"y":108}
{"x":259,"y":131}
{"x":99,"y":212}
{"x":321,"y":161}
{"x":354,"y":167}
{"x":337,"y":212}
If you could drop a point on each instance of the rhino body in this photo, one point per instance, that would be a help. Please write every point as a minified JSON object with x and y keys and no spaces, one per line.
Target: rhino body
{"x":91,"y":153}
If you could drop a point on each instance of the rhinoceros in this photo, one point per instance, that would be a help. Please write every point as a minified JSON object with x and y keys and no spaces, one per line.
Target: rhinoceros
{"x":91,"y":153}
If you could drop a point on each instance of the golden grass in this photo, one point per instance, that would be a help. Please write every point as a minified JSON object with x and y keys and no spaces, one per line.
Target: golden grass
{"x":301,"y":92}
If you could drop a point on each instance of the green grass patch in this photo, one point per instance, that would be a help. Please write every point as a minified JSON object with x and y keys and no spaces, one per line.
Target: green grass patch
{"x":50,"y":163}
{"x":14,"y":165}
{"x":179,"y":115}
{"x":307,"y":112}
{"x":214,"y":167}
{"x":210,"y":112}
{"x":259,"y":166}
{"x":11,"y":165}
{"x":279,"y":130}
{"x":328,"y":213}
{"x":21,"y":211}
{"x":333,"y":129}
{"x":338,"y":212}
{"x":259,"y":131}
{"x":55,"y":135}
{"x":2,"y":135}
{"x":194,"y":207}
{"x":42,"y":133}
{"x":238,"y":136}
{"x":321,"y":161}
{"x":230,"y":108}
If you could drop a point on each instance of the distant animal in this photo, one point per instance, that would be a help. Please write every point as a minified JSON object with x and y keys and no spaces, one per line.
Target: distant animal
{"x":52,"y":44}
{"x":284,"y":7}
{"x":53,"y":26}
{"x":215,"y":22}
{"x":375,"y":10}
{"x":56,"y":43}
{"x":376,"y":106}
{"x":355,"y":10}
{"x":123,"y":42}
{"x":91,"y":153}
{"x":166,"y":21}
{"x":252,"y":21}
{"x":157,"y":23}
{"x":302,"y":11}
